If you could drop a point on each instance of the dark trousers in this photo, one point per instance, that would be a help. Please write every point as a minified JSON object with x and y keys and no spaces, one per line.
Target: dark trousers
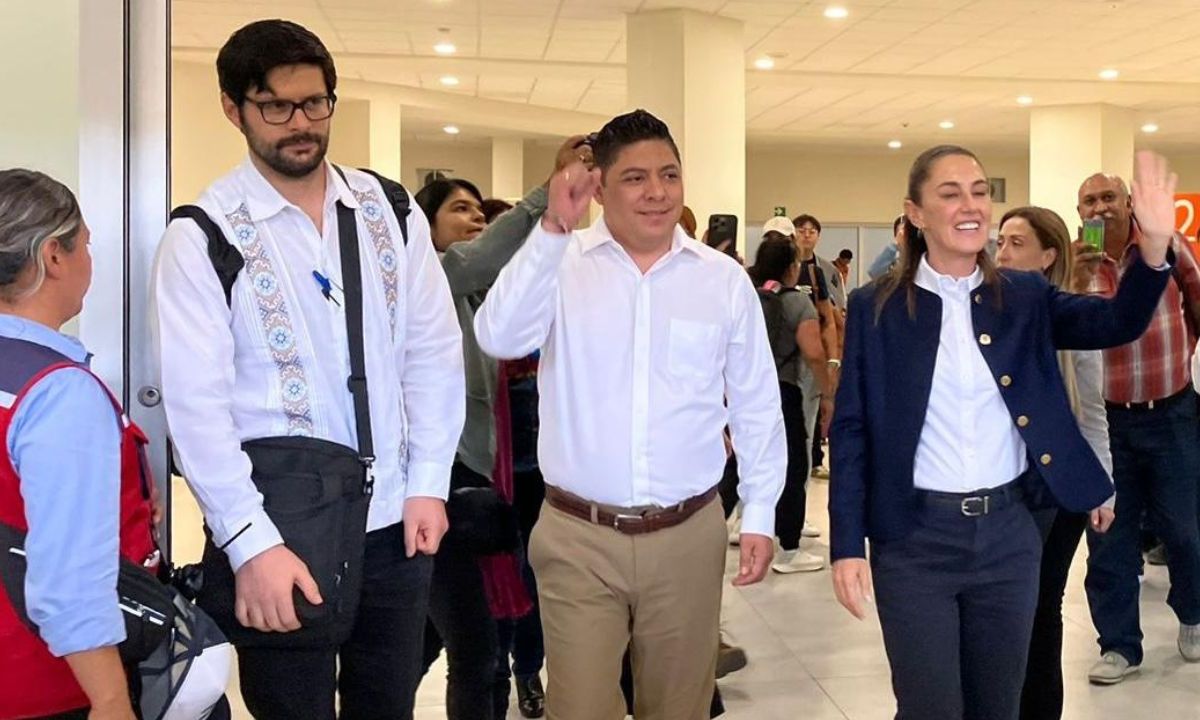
{"x":818,"y":452}
{"x":460,"y":621}
{"x":380,"y":664}
{"x":528,"y":650}
{"x":1156,"y":468}
{"x":792,"y":505}
{"x":1042,"y":697}
{"x":956,"y":601}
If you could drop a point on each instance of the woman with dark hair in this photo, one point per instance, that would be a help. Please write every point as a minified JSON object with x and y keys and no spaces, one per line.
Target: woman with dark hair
{"x":795,"y":335}
{"x":1035,"y":239}
{"x":939,"y":468}
{"x":470,"y":593}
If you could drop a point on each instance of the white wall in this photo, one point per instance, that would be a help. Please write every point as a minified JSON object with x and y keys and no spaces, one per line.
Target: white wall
{"x":39,"y":123}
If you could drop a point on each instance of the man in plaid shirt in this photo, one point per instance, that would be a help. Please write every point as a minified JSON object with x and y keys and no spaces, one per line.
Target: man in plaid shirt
{"x":1153,"y":426}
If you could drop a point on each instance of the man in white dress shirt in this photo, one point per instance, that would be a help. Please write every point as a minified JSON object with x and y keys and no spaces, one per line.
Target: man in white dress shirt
{"x":273,"y":361}
{"x":651,"y":344}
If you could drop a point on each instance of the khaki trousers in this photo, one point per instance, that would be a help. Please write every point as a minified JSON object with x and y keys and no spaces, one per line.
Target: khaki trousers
{"x":658,"y":594}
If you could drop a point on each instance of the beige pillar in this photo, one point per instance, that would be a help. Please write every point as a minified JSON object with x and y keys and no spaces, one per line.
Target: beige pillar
{"x":1069,"y":143}
{"x":688,"y":68}
{"x":385,"y":137}
{"x":508,"y":168}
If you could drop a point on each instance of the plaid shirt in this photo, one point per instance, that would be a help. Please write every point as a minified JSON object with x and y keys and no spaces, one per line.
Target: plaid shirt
{"x":1158,"y":364}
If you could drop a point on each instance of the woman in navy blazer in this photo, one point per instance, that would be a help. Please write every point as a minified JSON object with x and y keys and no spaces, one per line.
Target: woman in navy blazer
{"x":952,"y":420}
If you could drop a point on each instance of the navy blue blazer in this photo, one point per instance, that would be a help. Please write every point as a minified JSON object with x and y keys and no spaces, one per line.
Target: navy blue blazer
{"x":887,"y":374}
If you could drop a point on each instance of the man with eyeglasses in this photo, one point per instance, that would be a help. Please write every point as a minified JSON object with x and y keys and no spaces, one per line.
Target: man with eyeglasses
{"x":269,"y":357}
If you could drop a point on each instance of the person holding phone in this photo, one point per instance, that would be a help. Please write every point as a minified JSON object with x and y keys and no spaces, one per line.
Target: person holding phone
{"x":1152,"y":418}
{"x":940,"y":472}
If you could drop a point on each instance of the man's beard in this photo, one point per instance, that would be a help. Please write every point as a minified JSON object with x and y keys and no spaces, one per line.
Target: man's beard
{"x":273,"y":155}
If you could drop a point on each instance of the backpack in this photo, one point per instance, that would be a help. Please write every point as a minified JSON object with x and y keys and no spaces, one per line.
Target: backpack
{"x":227,"y":261}
{"x":782,"y":337}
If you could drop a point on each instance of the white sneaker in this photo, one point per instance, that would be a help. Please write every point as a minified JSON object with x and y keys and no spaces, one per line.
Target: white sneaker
{"x":810,"y":530}
{"x":795,"y":561}
{"x":1111,"y":669}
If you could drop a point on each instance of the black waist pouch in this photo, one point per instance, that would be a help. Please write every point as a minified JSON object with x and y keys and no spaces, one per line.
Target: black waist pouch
{"x":317,"y":494}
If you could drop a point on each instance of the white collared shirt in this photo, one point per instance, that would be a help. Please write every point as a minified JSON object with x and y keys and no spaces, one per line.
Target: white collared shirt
{"x":969,"y":441}
{"x":636,"y":369}
{"x":230,"y":375}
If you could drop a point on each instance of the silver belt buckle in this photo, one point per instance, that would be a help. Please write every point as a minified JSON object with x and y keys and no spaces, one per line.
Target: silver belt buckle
{"x":618,"y":517}
{"x":976,"y":506}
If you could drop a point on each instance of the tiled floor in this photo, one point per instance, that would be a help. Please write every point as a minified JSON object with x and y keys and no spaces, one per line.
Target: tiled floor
{"x":810,"y":659}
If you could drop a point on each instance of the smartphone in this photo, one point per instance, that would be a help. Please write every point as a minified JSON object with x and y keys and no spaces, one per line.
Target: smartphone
{"x":1093,"y":233}
{"x":723,"y":229}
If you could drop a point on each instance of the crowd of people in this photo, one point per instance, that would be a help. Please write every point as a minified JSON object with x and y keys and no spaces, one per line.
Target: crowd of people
{"x":441,"y":422}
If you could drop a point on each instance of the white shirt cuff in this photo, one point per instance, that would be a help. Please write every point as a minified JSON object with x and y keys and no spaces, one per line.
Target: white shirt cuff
{"x":251,"y":538}
{"x":428,"y":479}
{"x":758,"y":519}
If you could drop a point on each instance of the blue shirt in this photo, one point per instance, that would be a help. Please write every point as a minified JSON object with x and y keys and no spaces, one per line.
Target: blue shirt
{"x":65,"y":443}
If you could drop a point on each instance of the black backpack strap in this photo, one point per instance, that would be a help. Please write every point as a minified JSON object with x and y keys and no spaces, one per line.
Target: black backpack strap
{"x":227,"y":262}
{"x":396,"y":196}
{"x":352,"y":294}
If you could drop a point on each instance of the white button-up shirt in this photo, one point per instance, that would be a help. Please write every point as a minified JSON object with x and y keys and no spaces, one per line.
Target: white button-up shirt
{"x":276,"y":363}
{"x":636,"y":369}
{"x":969,"y":441}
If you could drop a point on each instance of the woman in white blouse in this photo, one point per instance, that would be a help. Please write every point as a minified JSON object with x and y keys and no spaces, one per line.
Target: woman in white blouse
{"x":1037,"y":240}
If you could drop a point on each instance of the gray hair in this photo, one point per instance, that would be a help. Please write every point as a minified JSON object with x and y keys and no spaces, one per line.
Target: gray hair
{"x":34,"y":208}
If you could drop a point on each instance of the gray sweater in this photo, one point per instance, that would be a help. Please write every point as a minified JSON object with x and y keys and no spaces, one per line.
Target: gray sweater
{"x":471,"y":267}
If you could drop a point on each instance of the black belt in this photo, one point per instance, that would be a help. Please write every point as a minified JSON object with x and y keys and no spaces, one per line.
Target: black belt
{"x":979,"y":502}
{"x":1160,"y":404}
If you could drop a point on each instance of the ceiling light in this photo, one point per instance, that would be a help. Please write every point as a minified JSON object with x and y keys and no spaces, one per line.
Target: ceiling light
{"x":444,"y":46}
{"x":1109,"y":74}
{"x":451,"y":130}
{"x":836,"y":12}
{"x":1024,"y":100}
{"x":764,"y":63}
{"x":449,"y":80}
{"x":946,"y":124}
{"x":895,"y":144}
{"x":1150,"y":128}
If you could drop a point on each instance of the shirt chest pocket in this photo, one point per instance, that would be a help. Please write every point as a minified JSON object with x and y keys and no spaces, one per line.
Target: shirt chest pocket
{"x":693,"y":349}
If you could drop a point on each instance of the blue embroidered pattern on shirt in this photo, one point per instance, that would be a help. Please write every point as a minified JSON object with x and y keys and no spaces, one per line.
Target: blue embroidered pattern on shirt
{"x":385,"y":249}
{"x":276,"y":324}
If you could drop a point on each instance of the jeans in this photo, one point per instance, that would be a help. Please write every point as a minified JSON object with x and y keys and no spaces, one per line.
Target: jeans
{"x":379,"y":665}
{"x":1042,"y":697}
{"x":1156,"y":468}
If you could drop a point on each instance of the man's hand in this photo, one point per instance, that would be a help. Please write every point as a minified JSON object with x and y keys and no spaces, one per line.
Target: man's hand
{"x":852,"y":584}
{"x":1087,"y":260}
{"x":826,"y":415}
{"x":757,"y":553}
{"x":1154,"y":205}
{"x":570,"y":194}
{"x":264,"y":590}
{"x":574,"y":149}
{"x":1102,"y":519}
{"x":424,"y":525}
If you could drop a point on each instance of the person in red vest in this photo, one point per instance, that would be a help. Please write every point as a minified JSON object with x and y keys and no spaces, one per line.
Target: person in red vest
{"x":71,"y":479}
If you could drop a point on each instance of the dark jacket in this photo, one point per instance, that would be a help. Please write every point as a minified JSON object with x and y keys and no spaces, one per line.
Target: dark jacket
{"x":887,"y":374}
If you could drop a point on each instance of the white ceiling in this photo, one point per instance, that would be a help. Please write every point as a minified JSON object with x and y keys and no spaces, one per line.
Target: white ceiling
{"x":892,"y":69}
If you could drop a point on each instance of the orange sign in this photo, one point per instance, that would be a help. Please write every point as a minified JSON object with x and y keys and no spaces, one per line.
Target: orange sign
{"x":1187,"y":218}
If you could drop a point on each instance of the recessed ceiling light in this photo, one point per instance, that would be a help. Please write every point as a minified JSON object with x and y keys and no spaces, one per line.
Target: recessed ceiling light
{"x":1024,"y":100}
{"x":1150,"y":128}
{"x":946,"y":124}
{"x":451,"y":130}
{"x":445,"y":47}
{"x":449,"y":80}
{"x":765,"y":62}
{"x":1109,"y":74}
{"x":895,"y":144}
{"x":836,"y":12}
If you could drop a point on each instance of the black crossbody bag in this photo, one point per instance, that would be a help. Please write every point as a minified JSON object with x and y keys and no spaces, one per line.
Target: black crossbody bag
{"x":317,"y":493}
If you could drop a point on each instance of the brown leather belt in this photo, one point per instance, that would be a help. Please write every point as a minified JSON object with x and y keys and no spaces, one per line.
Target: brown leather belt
{"x":629,"y":522}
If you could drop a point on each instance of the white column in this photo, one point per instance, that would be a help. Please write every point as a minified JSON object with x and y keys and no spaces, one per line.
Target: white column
{"x":508,"y":168}
{"x":689,"y":70}
{"x":1068,"y":144}
{"x":385,"y":137}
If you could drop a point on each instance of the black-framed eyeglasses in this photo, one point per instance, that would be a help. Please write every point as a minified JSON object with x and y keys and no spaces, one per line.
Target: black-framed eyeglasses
{"x":280,"y":112}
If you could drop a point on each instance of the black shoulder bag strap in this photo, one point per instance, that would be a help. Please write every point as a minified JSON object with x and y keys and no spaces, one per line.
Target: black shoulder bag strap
{"x":395,"y":193}
{"x":227,"y":262}
{"x":352,"y":294}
